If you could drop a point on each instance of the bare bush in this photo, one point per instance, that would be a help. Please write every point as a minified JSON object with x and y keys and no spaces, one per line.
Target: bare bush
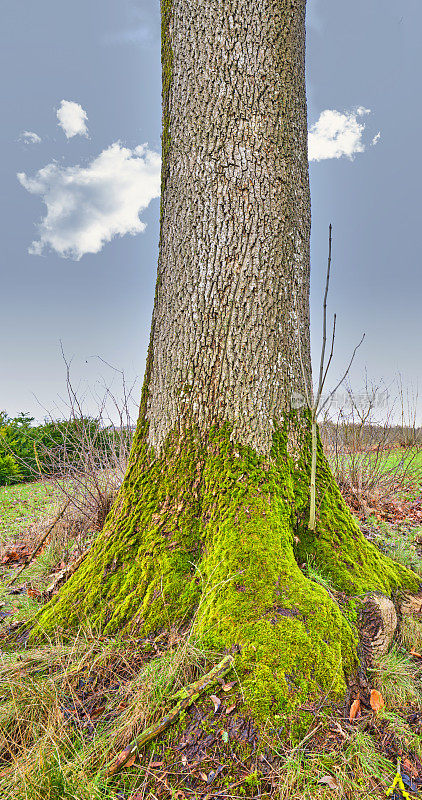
{"x":87,"y":465}
{"x":374,"y":459}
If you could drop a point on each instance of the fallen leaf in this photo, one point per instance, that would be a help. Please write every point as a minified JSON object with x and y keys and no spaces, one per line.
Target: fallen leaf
{"x":96,"y":712}
{"x":203,"y":776}
{"x":329,"y":781}
{"x":354,"y":709}
{"x":228,"y":686}
{"x":12,"y":555}
{"x":230,"y":709}
{"x":415,"y":654}
{"x":217,"y":702}
{"x":410,"y":768}
{"x":33,"y":593}
{"x":156,"y":763}
{"x":376,"y":700}
{"x":131,"y":761}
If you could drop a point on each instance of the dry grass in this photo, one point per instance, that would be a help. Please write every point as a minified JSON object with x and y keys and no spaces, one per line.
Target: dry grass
{"x":66,"y":710}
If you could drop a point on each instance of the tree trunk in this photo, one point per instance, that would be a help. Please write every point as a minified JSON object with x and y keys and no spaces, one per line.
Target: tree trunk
{"x":210,"y":528}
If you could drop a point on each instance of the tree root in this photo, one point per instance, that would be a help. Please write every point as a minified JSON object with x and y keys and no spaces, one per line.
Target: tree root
{"x":379,"y":619}
{"x":190,"y":693}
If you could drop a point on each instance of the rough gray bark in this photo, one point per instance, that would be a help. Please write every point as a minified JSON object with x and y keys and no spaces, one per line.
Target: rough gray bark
{"x":234,"y":250}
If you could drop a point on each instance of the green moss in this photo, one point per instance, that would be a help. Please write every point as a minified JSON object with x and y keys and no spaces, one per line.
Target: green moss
{"x":204,"y":535}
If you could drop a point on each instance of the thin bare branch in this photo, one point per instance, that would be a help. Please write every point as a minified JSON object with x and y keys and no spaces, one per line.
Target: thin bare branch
{"x":324,"y":318}
{"x":344,"y":376}
{"x":329,"y":360}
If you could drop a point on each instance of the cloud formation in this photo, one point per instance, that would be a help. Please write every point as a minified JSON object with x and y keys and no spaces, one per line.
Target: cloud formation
{"x":88,"y":206}
{"x":337,"y":134}
{"x":72,"y":118}
{"x":29,"y":137}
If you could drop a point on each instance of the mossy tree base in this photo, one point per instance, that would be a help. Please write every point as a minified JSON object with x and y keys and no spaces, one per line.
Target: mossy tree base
{"x":211,"y":535}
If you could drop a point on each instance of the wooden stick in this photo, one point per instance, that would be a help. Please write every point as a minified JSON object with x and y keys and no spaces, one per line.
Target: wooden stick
{"x":38,"y":548}
{"x":191,"y":693}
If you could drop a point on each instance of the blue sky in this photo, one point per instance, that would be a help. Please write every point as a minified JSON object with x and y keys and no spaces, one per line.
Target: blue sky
{"x":79,"y":178}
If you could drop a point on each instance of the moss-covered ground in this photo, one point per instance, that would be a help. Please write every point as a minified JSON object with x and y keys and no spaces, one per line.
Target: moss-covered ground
{"x":67,"y":709}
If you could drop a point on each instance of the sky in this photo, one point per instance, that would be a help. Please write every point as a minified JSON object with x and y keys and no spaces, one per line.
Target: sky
{"x":80,"y":164}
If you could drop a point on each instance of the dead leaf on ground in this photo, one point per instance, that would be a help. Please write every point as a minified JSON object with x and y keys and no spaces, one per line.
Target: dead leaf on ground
{"x":376,"y":700}
{"x":228,"y":686}
{"x":415,"y":654}
{"x":217,"y":702}
{"x":354,"y":709}
{"x":203,"y":776}
{"x":331,"y":782}
{"x":96,"y":712}
{"x":13,"y":555}
{"x":410,"y":768}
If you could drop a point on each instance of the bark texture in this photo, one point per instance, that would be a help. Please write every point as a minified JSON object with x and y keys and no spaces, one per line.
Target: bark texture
{"x":234,"y":256}
{"x":209,"y":532}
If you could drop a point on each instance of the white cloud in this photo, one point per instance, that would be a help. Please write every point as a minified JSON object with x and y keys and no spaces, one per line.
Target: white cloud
{"x":88,"y":206}
{"x":29,"y":137}
{"x":72,"y":118}
{"x":336,"y":134}
{"x":376,"y":138}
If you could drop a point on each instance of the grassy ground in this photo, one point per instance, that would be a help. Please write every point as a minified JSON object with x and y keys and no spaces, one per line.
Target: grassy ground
{"x":67,"y":709}
{"x":21,"y":506}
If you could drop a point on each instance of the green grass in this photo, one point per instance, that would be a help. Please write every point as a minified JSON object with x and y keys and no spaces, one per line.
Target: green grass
{"x":400,"y":543}
{"x":395,"y":472}
{"x":398,"y":678}
{"x":21,"y":506}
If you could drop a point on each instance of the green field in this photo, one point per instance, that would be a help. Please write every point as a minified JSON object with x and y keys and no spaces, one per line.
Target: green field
{"x":23,"y":505}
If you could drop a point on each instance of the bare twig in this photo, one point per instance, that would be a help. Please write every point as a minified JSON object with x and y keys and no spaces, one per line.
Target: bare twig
{"x":324,"y":317}
{"x":344,"y":376}
{"x":314,"y":403}
{"x":40,"y":544}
